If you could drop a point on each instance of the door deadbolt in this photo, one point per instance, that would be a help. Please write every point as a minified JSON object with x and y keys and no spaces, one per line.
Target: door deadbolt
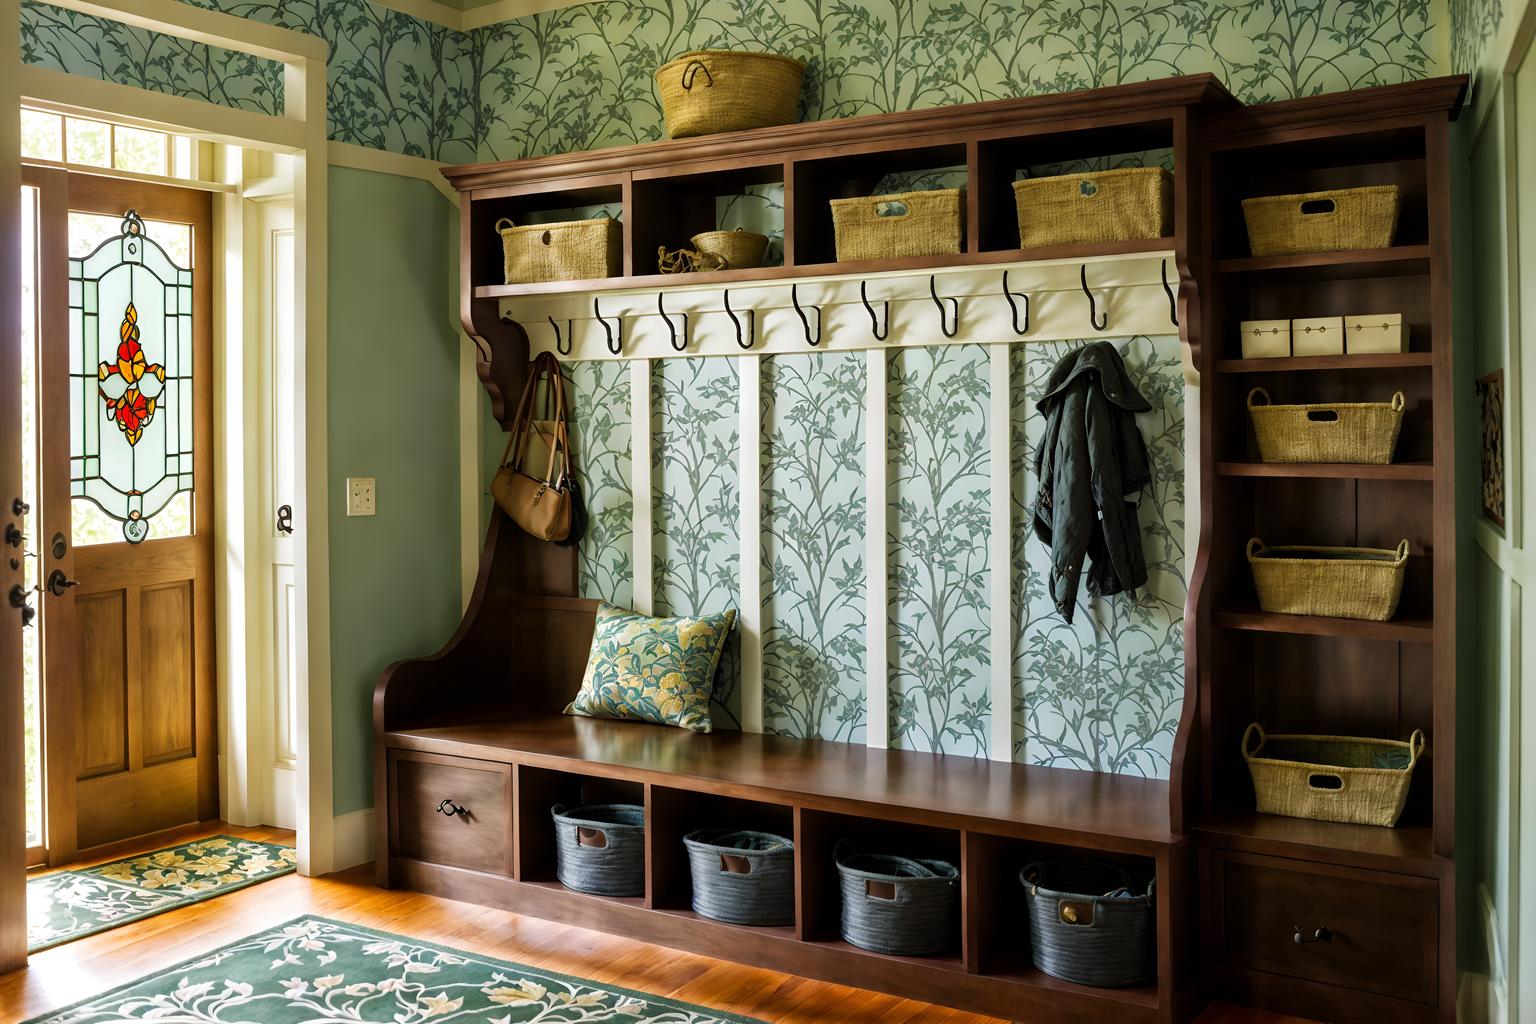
{"x":59,"y":546}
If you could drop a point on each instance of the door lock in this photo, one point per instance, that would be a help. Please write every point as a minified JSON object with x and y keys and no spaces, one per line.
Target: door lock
{"x":59,"y":546}
{"x":58,"y":583}
{"x":285,"y":519}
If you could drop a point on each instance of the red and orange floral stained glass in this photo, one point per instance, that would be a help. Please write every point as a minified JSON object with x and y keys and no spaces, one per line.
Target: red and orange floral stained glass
{"x":131,"y":372}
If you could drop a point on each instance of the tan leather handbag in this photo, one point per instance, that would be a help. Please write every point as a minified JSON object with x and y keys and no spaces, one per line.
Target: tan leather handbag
{"x":538,"y":498}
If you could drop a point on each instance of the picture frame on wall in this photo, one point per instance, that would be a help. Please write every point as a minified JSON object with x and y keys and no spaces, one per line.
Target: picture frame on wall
{"x":1490,"y":394}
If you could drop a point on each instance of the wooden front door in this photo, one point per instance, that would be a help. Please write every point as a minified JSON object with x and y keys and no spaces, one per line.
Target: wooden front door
{"x":125,"y":457}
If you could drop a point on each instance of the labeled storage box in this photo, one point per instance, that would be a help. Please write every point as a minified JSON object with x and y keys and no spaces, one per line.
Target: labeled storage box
{"x":709,"y":91}
{"x":1377,"y":332}
{"x":1331,"y":778}
{"x":1342,"y":218}
{"x":1318,"y":336}
{"x":1362,"y":433}
{"x":568,"y":250}
{"x":899,"y":905}
{"x":1103,"y":206}
{"x":1265,"y":339}
{"x":600,"y":848}
{"x":1087,"y":925}
{"x":901,"y":224}
{"x":1340,"y":583}
{"x":742,"y":877}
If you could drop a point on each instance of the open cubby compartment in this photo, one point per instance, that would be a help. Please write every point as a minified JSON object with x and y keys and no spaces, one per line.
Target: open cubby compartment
{"x":1320,"y":685}
{"x":1390,"y":156}
{"x":671,"y":206}
{"x":865,"y":172}
{"x":537,"y":203}
{"x":1002,"y":161}
{"x":1327,"y":512}
{"x":1342,"y":290}
{"x":817,"y":834}
{"x":996,"y":907}
{"x":538,"y":791}
{"x":673,"y":813}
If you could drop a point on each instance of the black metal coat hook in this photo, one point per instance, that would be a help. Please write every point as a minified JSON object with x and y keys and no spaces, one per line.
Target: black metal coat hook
{"x":1009,"y":295}
{"x":615,"y":342}
{"x":874,"y":321}
{"x":805,"y":323}
{"x":671,"y":327}
{"x":563,"y":345}
{"x":751,"y":323}
{"x":1093,"y":305}
{"x":950,"y":330}
{"x":1173,"y":300}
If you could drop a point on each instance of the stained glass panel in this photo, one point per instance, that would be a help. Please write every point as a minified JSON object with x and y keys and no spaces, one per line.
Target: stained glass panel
{"x":131,"y":379}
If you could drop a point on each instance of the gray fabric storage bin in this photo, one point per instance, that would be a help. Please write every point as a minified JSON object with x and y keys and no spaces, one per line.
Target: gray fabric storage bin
{"x":899,"y":905}
{"x":742,"y":877}
{"x":1087,"y":926}
{"x":600,"y":848}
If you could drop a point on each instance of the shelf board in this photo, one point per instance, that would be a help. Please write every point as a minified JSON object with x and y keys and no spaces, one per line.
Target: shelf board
{"x":724,"y":278}
{"x":784,"y":932}
{"x":1408,"y":631}
{"x":1394,"y":261}
{"x":1411,"y":847}
{"x":952,"y":962}
{"x":1329,"y":470}
{"x":1292,"y":364}
{"x":1016,"y":966}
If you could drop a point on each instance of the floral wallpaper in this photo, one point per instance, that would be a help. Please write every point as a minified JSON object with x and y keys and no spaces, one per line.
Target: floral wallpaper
{"x":815,"y":602}
{"x":1103,"y":693}
{"x":1474,"y":23}
{"x":938,"y":525}
{"x":695,"y":507}
{"x":581,"y":76}
{"x":600,"y":433}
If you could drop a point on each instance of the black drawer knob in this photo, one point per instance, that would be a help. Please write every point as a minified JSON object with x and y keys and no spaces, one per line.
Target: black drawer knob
{"x":1319,"y":935}
{"x":449,"y":808}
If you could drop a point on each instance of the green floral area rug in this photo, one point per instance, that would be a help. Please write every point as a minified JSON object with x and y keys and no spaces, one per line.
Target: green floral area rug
{"x":313,"y":970}
{"x":71,"y":904}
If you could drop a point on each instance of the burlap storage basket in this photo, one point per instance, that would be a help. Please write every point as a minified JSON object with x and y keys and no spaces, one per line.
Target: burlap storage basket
{"x":1343,"y":583}
{"x":900,"y":224}
{"x":1332,"y":778}
{"x":738,"y":250}
{"x":1361,"y":433}
{"x":1105,"y":206}
{"x":709,"y":91}
{"x":1340,"y":218}
{"x":568,"y":250}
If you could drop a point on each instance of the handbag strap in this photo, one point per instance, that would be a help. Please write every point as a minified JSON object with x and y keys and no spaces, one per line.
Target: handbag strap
{"x":545,"y":365}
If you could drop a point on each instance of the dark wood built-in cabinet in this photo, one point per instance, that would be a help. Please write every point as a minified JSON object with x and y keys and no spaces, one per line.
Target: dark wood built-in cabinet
{"x":479,"y":723}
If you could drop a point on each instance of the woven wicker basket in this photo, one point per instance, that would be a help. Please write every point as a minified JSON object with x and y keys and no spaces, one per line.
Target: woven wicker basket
{"x":1342,"y":583}
{"x":1341,"y":218}
{"x":1361,"y":433}
{"x":600,"y":848}
{"x":898,"y":905}
{"x":1332,"y":778}
{"x":737,"y":249}
{"x":568,"y":250}
{"x":1086,"y":925}
{"x":1107,"y":206}
{"x":901,"y":224}
{"x":709,"y":91}
{"x":742,"y":877}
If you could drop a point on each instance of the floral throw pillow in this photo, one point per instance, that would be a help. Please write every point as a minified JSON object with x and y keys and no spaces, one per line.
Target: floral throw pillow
{"x":658,"y":670}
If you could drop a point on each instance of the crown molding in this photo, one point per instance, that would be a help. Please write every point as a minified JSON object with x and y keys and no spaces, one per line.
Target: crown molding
{"x":479,"y":17}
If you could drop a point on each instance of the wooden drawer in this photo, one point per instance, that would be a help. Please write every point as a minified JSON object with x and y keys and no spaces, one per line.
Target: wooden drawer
{"x":480,"y":837}
{"x":1384,"y":928}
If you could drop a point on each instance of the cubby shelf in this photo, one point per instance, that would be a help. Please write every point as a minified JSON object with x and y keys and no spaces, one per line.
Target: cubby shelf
{"x":1321,"y":266}
{"x":1412,"y":631}
{"x":1293,"y":364}
{"x":1407,"y":848}
{"x":1329,"y":470}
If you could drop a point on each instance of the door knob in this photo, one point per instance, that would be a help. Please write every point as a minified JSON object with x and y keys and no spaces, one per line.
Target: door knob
{"x":285,"y":519}
{"x":19,"y":507}
{"x":18,"y":598}
{"x":13,"y":535}
{"x":58,"y":583}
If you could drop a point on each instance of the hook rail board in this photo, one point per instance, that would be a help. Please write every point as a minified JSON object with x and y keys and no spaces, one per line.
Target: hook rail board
{"x":1107,"y":296}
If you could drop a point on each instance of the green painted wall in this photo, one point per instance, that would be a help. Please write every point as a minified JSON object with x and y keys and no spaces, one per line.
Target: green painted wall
{"x":393,"y":415}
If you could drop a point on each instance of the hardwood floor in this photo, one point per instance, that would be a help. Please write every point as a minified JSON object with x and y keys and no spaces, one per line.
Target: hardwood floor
{"x":68,"y":973}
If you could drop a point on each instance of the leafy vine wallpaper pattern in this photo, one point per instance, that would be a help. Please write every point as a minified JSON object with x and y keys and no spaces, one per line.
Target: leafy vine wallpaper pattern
{"x":600,"y":433}
{"x":581,"y":76}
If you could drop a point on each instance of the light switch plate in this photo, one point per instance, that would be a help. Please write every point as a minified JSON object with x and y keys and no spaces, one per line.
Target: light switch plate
{"x":360,"y":497}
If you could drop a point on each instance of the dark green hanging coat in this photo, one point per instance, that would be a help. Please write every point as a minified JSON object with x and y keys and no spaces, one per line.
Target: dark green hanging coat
{"x":1092,"y":465}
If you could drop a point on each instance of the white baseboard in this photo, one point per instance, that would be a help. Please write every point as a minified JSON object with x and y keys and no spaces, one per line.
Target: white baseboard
{"x":1484,"y":998}
{"x":352,"y":839}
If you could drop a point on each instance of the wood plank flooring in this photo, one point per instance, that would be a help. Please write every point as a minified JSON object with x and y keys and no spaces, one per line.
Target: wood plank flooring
{"x":75,"y":970}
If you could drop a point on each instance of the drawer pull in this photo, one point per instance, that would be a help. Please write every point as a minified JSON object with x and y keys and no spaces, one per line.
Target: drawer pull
{"x":1320,"y":935}
{"x":449,"y":808}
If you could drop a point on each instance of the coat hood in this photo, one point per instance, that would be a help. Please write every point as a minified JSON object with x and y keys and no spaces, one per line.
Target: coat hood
{"x":1101,"y":358}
